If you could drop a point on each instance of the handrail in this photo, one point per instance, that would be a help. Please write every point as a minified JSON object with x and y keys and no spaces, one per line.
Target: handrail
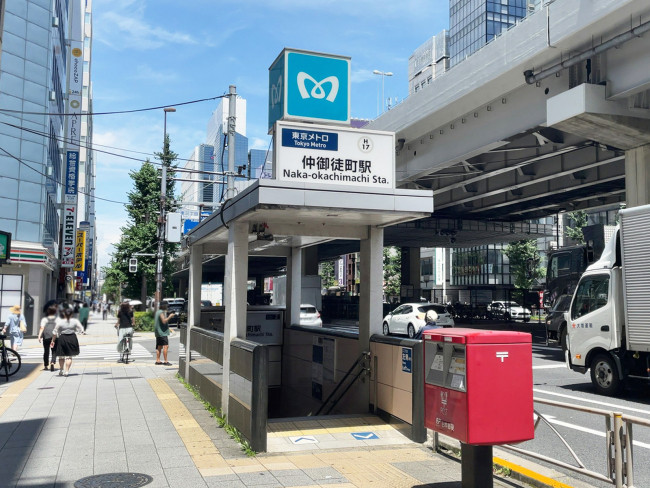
{"x":618,"y":440}
{"x":363,"y":355}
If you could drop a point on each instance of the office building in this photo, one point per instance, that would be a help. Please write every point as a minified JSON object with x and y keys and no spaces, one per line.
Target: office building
{"x":35,"y":65}
{"x":197,"y":194}
{"x":217,"y":130}
{"x":473,"y":23}
{"x":428,"y":61}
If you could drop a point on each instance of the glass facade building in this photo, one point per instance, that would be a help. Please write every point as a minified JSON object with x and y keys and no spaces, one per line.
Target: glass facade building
{"x":473,"y":23}
{"x":33,"y":83}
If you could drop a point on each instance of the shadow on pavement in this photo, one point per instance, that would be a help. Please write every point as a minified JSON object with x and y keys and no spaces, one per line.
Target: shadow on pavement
{"x":17,"y":441}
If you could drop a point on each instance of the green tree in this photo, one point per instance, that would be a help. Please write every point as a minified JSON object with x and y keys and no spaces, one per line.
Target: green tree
{"x":140,"y":234}
{"x":392,"y":271}
{"x":326,"y":270}
{"x":577,"y":220}
{"x":524,"y":263}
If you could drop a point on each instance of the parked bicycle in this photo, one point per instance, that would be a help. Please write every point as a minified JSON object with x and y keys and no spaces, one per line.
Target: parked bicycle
{"x":9,"y":359}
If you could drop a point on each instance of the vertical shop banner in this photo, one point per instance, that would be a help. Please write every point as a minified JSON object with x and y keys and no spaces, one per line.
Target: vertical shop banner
{"x":71,"y":176}
{"x":68,"y":239}
{"x":80,"y":251}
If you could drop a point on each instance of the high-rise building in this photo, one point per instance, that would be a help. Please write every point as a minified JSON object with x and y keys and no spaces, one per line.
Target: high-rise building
{"x":260,"y":164}
{"x":34,"y":69}
{"x":198,"y":193}
{"x":216,"y":132}
{"x":473,"y":23}
{"x":428,"y":61}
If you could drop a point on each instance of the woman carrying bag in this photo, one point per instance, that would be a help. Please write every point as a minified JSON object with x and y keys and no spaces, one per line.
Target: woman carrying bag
{"x":15,"y":327}
{"x":64,"y":340}
{"x":45,"y":336}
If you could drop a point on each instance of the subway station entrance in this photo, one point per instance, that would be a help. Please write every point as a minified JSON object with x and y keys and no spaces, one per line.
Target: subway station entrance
{"x":284,"y":368}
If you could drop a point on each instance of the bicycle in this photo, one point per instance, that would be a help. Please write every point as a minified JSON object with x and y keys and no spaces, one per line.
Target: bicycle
{"x":126,"y":344}
{"x":9,"y":359}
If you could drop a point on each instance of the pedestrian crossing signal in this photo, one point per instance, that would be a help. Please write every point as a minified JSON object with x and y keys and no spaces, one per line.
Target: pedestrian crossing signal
{"x":133,"y":265}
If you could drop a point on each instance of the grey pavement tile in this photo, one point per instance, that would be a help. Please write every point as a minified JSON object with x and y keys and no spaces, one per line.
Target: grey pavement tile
{"x":142,"y":456}
{"x":324,"y":474}
{"x":258,"y":477}
{"x":184,"y":476}
{"x":38,"y":481}
{"x":302,"y":480}
{"x":219,"y":482}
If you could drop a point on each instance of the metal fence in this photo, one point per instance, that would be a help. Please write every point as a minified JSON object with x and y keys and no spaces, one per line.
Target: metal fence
{"x":619,"y":438}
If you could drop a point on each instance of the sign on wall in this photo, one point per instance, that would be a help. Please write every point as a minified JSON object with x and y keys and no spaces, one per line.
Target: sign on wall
{"x":310,"y":153}
{"x":80,"y":251}
{"x":311,"y":86}
{"x":5,"y":246}
{"x":69,"y":237}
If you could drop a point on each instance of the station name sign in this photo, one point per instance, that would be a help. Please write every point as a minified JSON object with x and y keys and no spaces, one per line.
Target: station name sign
{"x":320,"y":154}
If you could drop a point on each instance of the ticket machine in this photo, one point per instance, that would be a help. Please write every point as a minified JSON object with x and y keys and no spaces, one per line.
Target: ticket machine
{"x":478,"y":388}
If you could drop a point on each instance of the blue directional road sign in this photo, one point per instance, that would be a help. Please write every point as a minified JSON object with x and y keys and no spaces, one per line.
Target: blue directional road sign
{"x":364,"y":436}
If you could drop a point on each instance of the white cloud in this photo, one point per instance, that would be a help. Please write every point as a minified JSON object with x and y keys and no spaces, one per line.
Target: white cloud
{"x":124,"y":27}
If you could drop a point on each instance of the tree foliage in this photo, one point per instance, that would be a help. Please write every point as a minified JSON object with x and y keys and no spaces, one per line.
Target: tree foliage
{"x":392,"y":271}
{"x":328,"y":279}
{"x":577,"y":220}
{"x":524,"y":263}
{"x":140,"y":234}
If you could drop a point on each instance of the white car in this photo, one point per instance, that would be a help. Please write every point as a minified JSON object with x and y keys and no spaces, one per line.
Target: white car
{"x":309,"y":316}
{"x":508,"y":311}
{"x":408,"y":318}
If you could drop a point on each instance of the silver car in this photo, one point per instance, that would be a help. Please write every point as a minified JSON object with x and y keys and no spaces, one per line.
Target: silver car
{"x":309,"y":316}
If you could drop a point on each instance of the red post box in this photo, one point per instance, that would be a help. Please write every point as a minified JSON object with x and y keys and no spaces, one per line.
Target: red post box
{"x":479,"y":385}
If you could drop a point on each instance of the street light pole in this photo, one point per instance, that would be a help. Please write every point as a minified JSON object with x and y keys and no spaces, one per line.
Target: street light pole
{"x":383,"y":75}
{"x":161,"y":217}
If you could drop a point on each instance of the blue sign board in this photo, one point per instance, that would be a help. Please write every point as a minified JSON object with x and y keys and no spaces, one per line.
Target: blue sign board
{"x":71,"y":173}
{"x":407,"y":359}
{"x":310,"y":139}
{"x":309,"y":86}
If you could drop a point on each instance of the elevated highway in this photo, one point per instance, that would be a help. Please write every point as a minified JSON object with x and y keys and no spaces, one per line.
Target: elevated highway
{"x":550,"y":116}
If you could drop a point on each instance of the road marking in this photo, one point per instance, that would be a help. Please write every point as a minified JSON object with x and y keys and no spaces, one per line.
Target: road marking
{"x":553,"y":420}
{"x":529,"y":473}
{"x":304,"y":439}
{"x":362,"y":436}
{"x":597,"y":402}
{"x":93,"y":351}
{"x":550,"y":366}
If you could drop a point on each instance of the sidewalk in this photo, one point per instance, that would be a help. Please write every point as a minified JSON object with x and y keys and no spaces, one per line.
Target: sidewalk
{"x":111,"y":419}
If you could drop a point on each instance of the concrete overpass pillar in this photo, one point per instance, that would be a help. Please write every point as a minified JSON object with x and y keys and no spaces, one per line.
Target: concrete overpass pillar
{"x":194,"y":301}
{"x":637,"y":176}
{"x":310,"y":260}
{"x":235,"y":278}
{"x":293,"y":305}
{"x":410,"y":274}
{"x":371,"y":283}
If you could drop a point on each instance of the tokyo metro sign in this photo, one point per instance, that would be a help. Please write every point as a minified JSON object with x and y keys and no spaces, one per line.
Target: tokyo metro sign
{"x":306,"y":86}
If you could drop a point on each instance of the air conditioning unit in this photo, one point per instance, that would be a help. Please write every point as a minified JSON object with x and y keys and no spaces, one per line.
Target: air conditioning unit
{"x":52,"y":96}
{"x":55,"y":21}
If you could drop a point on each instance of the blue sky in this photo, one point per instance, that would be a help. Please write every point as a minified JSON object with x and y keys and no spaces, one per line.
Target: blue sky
{"x":150,"y":53}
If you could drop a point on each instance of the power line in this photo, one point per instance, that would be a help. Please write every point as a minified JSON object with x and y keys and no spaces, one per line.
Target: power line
{"x":76,"y":114}
{"x":57,"y":181}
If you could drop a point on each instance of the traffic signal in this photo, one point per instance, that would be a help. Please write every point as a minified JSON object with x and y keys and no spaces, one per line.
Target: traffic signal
{"x":133,"y":265}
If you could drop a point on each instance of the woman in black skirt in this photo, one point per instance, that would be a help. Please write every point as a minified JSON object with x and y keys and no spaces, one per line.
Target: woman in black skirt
{"x":65,"y":340}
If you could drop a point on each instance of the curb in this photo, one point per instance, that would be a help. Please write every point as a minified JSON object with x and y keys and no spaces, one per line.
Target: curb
{"x":522,"y":469}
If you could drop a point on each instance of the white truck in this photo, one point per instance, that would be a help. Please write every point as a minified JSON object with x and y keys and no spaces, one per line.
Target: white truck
{"x":609,"y":318}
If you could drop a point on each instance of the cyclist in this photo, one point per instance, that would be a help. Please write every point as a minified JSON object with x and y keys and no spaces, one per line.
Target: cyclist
{"x":124,"y":325}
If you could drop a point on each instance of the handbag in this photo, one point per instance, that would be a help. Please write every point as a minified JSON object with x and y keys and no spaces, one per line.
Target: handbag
{"x":23,"y":326}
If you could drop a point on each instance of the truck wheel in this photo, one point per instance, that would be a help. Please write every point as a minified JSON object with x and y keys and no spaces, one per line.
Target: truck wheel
{"x":563,"y":333}
{"x":506,"y":316}
{"x":386,"y":329}
{"x":604,"y":375}
{"x":526,"y":319}
{"x":411,"y":331}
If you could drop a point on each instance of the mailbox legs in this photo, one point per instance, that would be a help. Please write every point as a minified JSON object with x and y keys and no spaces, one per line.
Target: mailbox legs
{"x":476,"y":466}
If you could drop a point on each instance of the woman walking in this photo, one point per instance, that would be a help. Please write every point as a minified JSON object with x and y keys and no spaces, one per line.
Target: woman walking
{"x":64,"y":340}
{"x":45,"y":336}
{"x":15,"y":327}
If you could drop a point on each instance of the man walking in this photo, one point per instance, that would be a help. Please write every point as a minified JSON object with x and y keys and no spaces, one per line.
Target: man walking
{"x":161,"y":331}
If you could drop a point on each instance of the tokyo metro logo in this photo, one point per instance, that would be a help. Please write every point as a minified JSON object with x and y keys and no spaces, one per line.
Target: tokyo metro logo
{"x":317,"y":90}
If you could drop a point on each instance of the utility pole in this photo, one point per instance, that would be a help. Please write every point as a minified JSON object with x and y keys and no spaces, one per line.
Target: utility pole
{"x":232,"y":117}
{"x":161,"y":216}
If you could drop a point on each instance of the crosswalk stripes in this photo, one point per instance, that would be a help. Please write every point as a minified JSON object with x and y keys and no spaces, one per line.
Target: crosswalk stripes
{"x":181,"y":352}
{"x":93,"y":351}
